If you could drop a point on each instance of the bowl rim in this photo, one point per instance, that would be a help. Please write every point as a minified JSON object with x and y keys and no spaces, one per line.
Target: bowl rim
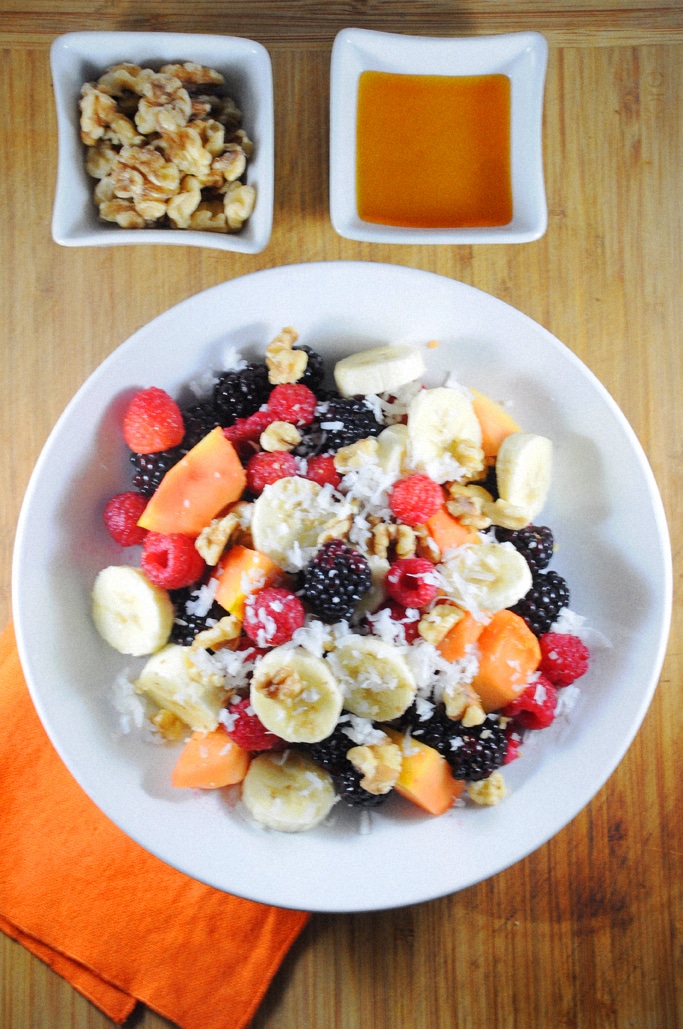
{"x":522,"y":55}
{"x":99,"y":49}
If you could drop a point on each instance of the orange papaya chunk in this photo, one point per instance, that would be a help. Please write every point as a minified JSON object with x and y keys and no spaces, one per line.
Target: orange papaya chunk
{"x":508,"y":654}
{"x":210,"y":760}
{"x":240,"y":572}
{"x":495,"y":422}
{"x":465,"y":633}
{"x":206,"y":480}
{"x":426,"y":778}
{"x":448,"y":532}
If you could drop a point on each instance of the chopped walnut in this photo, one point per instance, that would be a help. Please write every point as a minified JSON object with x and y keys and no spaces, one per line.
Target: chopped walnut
{"x":102,"y":119}
{"x":142,"y":174}
{"x":470,"y":457}
{"x":425,"y":545}
{"x":124,"y":78}
{"x":209,"y":217}
{"x":435,"y":625}
{"x":284,"y":363}
{"x":466,"y":503}
{"x":231,"y":163}
{"x":182,"y":206}
{"x":507,"y":515}
{"x":100,"y":159}
{"x":193,"y":74}
{"x":488,"y":791}
{"x":224,"y":631}
{"x":169,"y":725}
{"x":184,"y":147}
{"x":214,"y":537}
{"x":337,"y":528}
{"x":284,"y":684}
{"x":239,"y":204}
{"x":212,"y":135}
{"x":280,"y":436}
{"x":164,"y":105}
{"x":355,"y":455}
{"x":385,"y":534}
{"x":379,"y":763}
{"x":123,"y":213}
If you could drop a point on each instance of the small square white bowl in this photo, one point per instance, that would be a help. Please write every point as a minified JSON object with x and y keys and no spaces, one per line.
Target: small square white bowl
{"x":522,"y":56}
{"x":80,"y":57}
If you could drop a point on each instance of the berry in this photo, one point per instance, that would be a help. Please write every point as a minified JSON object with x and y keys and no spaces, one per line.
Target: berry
{"x":334,"y":581}
{"x":411,"y":581}
{"x":121,"y":516}
{"x":540,"y":607}
{"x":188,"y":622}
{"x":346,"y":420}
{"x":315,"y":369}
{"x":321,"y":469}
{"x":239,"y":393}
{"x":473,"y":752}
{"x":564,"y":658}
{"x":152,"y":422}
{"x":415,"y":499}
{"x":272,"y":615}
{"x":515,"y":740}
{"x":199,"y":420}
{"x":263,"y":469}
{"x":248,"y":430}
{"x":535,"y":707}
{"x":347,"y":785}
{"x":245,"y":728}
{"x":534,"y":542}
{"x":151,"y":468}
{"x":330,"y":754}
{"x":292,"y":402}
{"x":171,"y":561}
{"x":407,"y":618}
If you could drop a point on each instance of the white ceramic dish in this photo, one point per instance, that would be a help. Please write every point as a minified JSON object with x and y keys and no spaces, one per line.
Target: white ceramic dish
{"x":80,"y":57}
{"x":522,"y":56}
{"x":615,"y":556}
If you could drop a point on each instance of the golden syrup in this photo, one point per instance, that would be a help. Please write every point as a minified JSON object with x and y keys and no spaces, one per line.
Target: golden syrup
{"x":433,"y":151}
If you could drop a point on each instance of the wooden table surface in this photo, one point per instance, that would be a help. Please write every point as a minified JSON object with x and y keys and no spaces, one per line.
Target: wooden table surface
{"x":587,"y":931}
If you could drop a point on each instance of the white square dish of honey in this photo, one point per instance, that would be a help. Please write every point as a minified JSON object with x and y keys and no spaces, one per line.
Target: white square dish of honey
{"x":437,"y":140}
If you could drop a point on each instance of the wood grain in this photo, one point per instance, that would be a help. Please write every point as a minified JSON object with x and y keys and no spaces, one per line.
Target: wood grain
{"x":587,"y":931}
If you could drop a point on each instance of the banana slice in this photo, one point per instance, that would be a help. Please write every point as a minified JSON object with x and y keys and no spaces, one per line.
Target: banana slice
{"x":130,"y":613}
{"x":438,"y":419}
{"x":486,"y":576}
{"x":295,"y":695}
{"x":524,"y":471}
{"x":378,"y":370}
{"x":392,"y":447}
{"x":288,"y":518}
{"x":173,"y":680}
{"x":374,"y":677}
{"x":287,"y":791}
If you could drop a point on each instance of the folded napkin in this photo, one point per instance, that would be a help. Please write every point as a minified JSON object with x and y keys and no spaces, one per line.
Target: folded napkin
{"x":116,"y":922}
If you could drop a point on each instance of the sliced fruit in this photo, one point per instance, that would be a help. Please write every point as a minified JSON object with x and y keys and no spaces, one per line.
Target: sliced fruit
{"x":464,"y":635}
{"x":508,"y":654}
{"x":437,"y":420}
{"x":524,"y":471}
{"x":241,"y":572}
{"x":486,"y":576}
{"x":378,"y":370}
{"x":210,"y":760}
{"x":288,"y":518}
{"x":173,"y":680}
{"x":448,"y":532}
{"x":374,"y":677}
{"x":287,"y":791}
{"x":495,"y":422}
{"x":205,"y":480}
{"x":425,"y":778}
{"x":132,"y":615}
{"x":295,"y":695}
{"x":392,"y":446}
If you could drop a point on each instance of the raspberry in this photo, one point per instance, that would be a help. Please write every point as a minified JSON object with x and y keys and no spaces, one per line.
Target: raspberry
{"x":407,"y":618}
{"x":171,"y":561}
{"x":292,"y":402}
{"x":152,"y":422}
{"x":535,"y":707}
{"x":121,"y":515}
{"x":263,"y":469}
{"x":245,"y":433}
{"x":411,"y":581}
{"x":334,"y":581}
{"x":514,"y":738}
{"x":272,"y":615}
{"x":415,"y":499}
{"x":245,"y":728}
{"x":321,"y":469}
{"x":564,"y":657}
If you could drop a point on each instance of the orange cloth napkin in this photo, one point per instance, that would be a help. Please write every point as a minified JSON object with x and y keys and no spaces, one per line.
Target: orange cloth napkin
{"x":116,"y":922}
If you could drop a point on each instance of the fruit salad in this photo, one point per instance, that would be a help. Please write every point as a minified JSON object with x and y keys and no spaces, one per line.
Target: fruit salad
{"x":341,"y":594}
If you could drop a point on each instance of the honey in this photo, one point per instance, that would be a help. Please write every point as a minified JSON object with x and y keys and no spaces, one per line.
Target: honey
{"x":433,"y":151}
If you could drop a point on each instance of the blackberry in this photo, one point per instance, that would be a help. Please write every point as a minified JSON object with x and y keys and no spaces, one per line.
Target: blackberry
{"x":346,"y":420}
{"x":186,"y":624}
{"x":434,"y":731}
{"x":237,"y":394}
{"x":477,"y":750}
{"x":199,"y":420}
{"x":540,"y":607}
{"x":151,"y":468}
{"x":535,"y":543}
{"x":334,"y":581}
{"x":330,"y":754}
{"x":347,"y":786}
{"x":315,"y":369}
